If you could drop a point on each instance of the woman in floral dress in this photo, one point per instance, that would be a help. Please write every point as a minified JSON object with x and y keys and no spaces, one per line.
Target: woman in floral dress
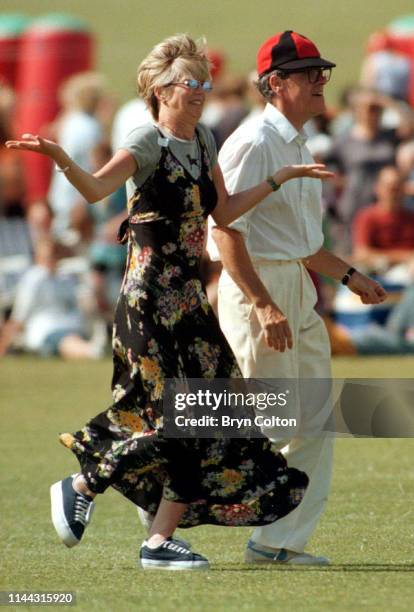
{"x":165,"y":328}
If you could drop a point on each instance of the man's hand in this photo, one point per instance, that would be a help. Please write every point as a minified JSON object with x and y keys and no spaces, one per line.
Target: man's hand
{"x":275,"y":326}
{"x":330,"y":265}
{"x":237,"y":262}
{"x":368,"y":290}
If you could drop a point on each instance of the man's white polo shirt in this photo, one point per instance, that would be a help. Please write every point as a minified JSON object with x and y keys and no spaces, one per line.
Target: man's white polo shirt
{"x":287,"y":224}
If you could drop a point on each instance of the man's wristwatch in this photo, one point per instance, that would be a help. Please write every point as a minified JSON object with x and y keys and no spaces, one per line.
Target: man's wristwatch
{"x":347,"y":276}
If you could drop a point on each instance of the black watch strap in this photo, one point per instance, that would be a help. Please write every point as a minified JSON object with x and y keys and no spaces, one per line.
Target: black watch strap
{"x":347,"y":276}
{"x":273,"y":185}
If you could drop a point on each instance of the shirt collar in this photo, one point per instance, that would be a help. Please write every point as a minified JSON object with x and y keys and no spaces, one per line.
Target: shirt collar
{"x":289,"y":133}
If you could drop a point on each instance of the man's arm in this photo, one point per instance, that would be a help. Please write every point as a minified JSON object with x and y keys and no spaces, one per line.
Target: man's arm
{"x":328,"y":264}
{"x":237,"y":263}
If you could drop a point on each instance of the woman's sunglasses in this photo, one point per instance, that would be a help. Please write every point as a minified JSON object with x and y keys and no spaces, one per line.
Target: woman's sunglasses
{"x":193,"y":84}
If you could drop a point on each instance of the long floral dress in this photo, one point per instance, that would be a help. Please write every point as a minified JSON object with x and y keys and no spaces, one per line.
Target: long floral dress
{"x":165,"y":329}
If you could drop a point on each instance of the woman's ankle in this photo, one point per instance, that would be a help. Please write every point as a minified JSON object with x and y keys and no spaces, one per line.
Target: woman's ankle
{"x":155,"y":540}
{"x":80,"y":486}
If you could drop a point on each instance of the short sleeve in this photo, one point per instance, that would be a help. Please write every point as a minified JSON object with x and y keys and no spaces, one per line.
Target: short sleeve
{"x":142,"y":143}
{"x":243,"y":167}
{"x":208,"y":138}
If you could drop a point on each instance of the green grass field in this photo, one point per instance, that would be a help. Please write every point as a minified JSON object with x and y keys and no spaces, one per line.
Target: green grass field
{"x":127,"y":29}
{"x":367,"y":530}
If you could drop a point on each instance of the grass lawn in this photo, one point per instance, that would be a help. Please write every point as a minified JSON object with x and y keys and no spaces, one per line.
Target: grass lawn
{"x":367,"y":530}
{"x":126,"y":30}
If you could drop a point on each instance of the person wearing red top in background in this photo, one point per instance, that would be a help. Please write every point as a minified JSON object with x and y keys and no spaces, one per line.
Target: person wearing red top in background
{"x":383,"y":233}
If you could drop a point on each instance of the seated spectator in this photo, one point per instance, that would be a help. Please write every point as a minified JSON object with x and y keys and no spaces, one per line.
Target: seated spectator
{"x":45,"y":313}
{"x":383,"y":233}
{"x":396,"y":337}
{"x":359,"y":154}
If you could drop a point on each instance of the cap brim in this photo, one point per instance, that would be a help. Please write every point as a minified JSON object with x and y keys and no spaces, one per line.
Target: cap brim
{"x":307,"y":62}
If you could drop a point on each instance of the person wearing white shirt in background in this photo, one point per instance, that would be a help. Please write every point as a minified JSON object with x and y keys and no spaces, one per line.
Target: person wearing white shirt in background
{"x":266,"y":296}
{"x":78,"y":132}
{"x":131,"y":114}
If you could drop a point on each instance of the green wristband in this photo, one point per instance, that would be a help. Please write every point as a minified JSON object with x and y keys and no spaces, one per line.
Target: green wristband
{"x":271,"y":181}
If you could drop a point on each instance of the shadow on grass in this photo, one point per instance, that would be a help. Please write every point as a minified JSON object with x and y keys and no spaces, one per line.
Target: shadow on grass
{"x":340,"y":567}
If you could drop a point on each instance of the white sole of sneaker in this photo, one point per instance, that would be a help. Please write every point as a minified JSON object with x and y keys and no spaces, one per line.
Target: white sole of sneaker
{"x":152,"y":564}
{"x":58,"y":516}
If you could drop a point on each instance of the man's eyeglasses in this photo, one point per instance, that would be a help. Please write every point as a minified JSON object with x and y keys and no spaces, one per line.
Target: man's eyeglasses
{"x":314,"y":74}
{"x":193,"y":84}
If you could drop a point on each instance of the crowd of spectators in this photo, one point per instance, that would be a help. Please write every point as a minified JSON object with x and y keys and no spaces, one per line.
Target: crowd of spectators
{"x":61,"y":266}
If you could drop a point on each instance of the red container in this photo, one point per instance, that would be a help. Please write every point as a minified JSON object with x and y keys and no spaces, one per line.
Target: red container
{"x":52,"y":49}
{"x":11,"y":28}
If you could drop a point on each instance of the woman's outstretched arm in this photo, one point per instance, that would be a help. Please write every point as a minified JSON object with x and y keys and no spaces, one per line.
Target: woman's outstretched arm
{"x":93,"y":187}
{"x":230,"y":207}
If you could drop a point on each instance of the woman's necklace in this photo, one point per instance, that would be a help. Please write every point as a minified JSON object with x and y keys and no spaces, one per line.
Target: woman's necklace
{"x":193,"y":161}
{"x":174,"y":132}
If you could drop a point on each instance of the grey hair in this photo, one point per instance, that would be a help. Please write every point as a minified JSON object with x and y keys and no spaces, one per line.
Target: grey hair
{"x":263,"y":86}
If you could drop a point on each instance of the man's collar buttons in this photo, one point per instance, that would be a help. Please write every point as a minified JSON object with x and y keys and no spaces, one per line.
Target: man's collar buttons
{"x":300,"y":140}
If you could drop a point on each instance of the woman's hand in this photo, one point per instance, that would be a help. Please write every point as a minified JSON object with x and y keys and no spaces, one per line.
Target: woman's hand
{"x":31,"y":142}
{"x":231,"y":207}
{"x":316,"y":171}
{"x":93,"y":187}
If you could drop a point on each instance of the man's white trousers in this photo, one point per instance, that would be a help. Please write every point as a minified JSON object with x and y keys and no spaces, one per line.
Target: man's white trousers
{"x":292,"y":289}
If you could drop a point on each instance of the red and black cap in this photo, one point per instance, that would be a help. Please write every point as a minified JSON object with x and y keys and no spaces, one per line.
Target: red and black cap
{"x":289,"y":51}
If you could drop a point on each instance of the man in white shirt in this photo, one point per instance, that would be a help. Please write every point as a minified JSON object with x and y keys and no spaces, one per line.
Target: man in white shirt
{"x":266,"y":296}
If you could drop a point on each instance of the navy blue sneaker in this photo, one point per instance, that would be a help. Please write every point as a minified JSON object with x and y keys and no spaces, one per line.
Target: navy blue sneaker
{"x":146,"y":521}
{"x":171,"y":555}
{"x":71,"y":511}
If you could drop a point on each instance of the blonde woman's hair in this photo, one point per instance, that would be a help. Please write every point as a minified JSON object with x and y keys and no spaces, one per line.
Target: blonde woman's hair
{"x":171,"y":60}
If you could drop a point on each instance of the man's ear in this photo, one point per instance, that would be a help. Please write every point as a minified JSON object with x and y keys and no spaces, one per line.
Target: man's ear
{"x":275,"y":82}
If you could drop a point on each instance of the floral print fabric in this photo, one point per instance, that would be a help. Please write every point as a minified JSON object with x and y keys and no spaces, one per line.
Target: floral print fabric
{"x":165,"y":328}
